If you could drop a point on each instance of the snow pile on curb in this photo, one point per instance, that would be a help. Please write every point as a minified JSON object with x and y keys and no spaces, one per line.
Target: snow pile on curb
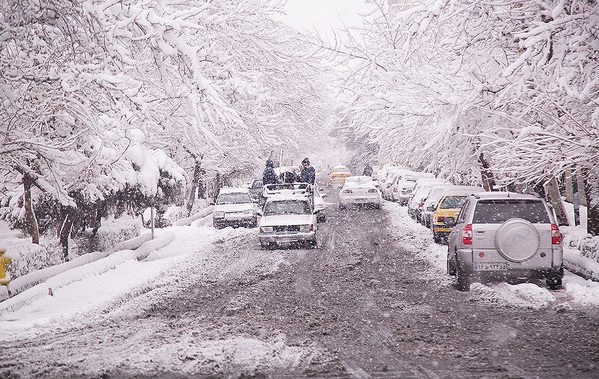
{"x":581,"y":252}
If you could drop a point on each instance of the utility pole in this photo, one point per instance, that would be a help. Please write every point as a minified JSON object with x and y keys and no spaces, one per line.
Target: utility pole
{"x":575,"y":200}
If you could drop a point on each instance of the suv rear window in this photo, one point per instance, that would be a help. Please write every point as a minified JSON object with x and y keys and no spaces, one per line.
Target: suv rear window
{"x":498,"y":211}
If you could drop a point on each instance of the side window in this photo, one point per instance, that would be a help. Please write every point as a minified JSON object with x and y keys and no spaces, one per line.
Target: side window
{"x":463,"y":212}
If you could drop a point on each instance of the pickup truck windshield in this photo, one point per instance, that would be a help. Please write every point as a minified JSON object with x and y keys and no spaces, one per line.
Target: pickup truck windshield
{"x":287,"y":207}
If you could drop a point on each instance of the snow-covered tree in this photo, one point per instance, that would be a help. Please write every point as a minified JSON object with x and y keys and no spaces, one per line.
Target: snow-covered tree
{"x":478,"y":91}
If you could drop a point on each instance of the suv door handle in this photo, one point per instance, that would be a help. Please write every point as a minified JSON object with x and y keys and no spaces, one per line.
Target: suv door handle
{"x":480,"y":231}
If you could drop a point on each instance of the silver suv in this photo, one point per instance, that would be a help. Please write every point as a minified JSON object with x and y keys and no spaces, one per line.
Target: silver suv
{"x":505,"y":235}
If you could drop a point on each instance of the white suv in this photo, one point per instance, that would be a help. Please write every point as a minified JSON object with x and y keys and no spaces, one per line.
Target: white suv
{"x":505,"y":235}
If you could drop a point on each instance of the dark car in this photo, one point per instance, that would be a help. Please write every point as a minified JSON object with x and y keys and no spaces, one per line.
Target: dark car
{"x":256,"y":189}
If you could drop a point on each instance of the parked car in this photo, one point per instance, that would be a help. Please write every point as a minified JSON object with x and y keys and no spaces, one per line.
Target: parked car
{"x":386,"y":185}
{"x":447,"y":210}
{"x":401,"y":190}
{"x":234,"y":207}
{"x":502,"y":236}
{"x":430,"y":204}
{"x":338,"y":174}
{"x":420,"y":193}
{"x":256,"y":189}
{"x":359,"y":190}
{"x":288,"y":218}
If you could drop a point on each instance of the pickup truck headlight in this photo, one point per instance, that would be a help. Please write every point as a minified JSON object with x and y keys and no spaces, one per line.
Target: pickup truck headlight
{"x":218,"y":214}
{"x":248,"y":211}
{"x":266,"y":229}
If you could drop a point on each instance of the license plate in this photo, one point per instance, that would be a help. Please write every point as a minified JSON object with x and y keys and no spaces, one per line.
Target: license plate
{"x":490,"y":266}
{"x":286,"y":240}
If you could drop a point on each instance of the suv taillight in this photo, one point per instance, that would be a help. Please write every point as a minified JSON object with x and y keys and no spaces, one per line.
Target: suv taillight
{"x":556,"y":236}
{"x":467,"y":235}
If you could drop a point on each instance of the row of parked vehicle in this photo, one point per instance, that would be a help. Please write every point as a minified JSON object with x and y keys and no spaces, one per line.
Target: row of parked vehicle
{"x":490,"y":235}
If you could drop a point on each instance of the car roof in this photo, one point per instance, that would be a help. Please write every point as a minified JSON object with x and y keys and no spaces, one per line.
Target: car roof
{"x":225,"y":190}
{"x":505,"y":195}
{"x":359,"y":179}
{"x":462,"y":190}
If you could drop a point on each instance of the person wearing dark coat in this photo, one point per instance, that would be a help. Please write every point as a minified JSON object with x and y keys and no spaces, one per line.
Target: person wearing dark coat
{"x":367,"y":170}
{"x":269,"y":176}
{"x":308,"y":173}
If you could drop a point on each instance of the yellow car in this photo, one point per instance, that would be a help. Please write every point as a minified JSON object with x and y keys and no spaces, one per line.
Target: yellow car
{"x":447,"y":210}
{"x":338,"y":175}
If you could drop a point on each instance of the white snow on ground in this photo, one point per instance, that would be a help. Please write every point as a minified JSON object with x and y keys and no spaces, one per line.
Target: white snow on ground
{"x":576,"y":289}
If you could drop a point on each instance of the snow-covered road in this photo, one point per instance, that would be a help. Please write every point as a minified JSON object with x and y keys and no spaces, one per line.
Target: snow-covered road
{"x":372,"y":301}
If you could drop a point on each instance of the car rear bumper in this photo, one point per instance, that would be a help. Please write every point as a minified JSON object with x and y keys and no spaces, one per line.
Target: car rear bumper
{"x":532,"y":269}
{"x":360,"y":200}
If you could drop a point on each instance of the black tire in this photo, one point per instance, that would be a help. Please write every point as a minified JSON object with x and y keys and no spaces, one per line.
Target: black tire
{"x":463,"y":279}
{"x":451,"y":270}
{"x":342,"y":207}
{"x":437,"y":238}
{"x":554,"y":280}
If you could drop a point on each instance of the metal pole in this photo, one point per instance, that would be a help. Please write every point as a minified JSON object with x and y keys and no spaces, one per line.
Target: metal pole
{"x":152,"y":222}
{"x":575,"y":199}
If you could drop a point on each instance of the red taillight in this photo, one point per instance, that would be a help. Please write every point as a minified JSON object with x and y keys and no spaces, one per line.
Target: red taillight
{"x":441,"y":219}
{"x":395,"y":189}
{"x":556,"y":236}
{"x":467,"y":235}
{"x":421,"y":204}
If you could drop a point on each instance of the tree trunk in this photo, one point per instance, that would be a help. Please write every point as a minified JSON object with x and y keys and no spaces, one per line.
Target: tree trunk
{"x":486,"y":174}
{"x":590,"y":187}
{"x":30,"y":214}
{"x":197,"y":169}
{"x":66,"y":218}
{"x":555,"y":199}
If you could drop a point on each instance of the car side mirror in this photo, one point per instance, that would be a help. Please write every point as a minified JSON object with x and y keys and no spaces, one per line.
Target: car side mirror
{"x":259,"y":212}
{"x":431,"y":208}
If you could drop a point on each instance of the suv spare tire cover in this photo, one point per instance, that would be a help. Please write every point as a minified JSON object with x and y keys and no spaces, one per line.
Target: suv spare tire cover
{"x":517,"y":240}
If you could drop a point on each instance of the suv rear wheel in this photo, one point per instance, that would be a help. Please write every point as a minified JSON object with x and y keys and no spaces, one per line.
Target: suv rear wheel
{"x":554,"y":279}
{"x":450,"y":265}
{"x":463,"y":279}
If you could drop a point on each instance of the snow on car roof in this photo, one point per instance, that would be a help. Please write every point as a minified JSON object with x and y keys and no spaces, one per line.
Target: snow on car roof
{"x":359,"y":181}
{"x":234,"y":190}
{"x":506,"y":195}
